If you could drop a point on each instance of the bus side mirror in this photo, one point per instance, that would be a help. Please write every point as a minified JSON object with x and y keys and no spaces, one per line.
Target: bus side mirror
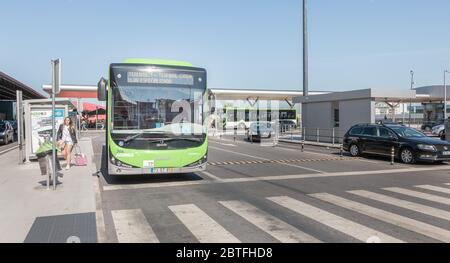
{"x":101,"y":89}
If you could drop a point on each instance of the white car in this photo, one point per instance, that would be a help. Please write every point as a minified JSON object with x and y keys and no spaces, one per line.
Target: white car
{"x":438,"y":130}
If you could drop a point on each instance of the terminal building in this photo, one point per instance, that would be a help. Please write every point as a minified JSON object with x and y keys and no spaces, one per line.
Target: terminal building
{"x":8,"y":88}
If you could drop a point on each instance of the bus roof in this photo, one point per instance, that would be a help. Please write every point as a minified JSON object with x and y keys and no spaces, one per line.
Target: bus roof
{"x":162,"y":62}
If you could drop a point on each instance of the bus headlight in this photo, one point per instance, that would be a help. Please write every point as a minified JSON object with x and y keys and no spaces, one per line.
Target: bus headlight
{"x":116,"y":162}
{"x":200,"y":162}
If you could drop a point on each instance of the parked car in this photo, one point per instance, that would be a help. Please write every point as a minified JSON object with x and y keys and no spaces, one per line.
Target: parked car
{"x":6,"y":132}
{"x":259,"y":130}
{"x":427,"y":126}
{"x":410,"y":145}
{"x":287,"y":124}
{"x":438,"y":130}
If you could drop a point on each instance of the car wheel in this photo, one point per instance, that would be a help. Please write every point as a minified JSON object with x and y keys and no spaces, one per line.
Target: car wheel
{"x":407,"y":156}
{"x":441,"y":134}
{"x":354,"y":150}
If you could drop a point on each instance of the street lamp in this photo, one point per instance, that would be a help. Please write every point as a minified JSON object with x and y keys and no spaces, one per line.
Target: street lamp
{"x":410,"y":100}
{"x":305,"y":49}
{"x":445,"y":95}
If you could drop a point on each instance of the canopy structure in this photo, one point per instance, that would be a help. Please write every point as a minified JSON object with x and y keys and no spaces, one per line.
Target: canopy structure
{"x":74,"y":91}
{"x":9,"y":86}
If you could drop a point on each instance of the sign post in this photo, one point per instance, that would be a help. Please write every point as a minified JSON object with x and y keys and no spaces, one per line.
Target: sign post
{"x":56,"y":83}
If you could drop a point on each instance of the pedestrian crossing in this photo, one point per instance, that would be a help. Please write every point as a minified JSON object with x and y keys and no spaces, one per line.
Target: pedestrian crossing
{"x":326,"y":213}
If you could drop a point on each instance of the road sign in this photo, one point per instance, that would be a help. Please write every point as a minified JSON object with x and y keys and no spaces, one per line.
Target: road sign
{"x":56,"y":67}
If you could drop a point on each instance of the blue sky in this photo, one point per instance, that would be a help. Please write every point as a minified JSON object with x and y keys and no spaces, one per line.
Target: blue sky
{"x":254,"y":44}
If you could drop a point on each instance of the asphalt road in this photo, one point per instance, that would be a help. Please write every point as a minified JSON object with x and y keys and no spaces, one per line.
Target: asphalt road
{"x":255,"y":193}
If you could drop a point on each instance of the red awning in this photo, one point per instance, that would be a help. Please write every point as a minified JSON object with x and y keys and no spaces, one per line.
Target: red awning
{"x":89,"y":106}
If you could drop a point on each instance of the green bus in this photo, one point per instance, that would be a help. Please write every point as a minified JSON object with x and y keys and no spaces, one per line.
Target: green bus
{"x":156,"y":111}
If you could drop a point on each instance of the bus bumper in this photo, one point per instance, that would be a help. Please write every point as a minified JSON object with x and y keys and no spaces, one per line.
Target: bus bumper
{"x":116,"y":170}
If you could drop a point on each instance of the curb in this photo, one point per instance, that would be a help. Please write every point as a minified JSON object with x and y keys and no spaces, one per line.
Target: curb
{"x":9,"y":149}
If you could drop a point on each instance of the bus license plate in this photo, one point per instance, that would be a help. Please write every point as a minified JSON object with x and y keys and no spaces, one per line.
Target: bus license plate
{"x":446,"y":153}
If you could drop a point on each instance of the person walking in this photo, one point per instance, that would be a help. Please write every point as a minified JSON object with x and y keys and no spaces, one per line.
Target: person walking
{"x":84,"y":125}
{"x":67,"y":138}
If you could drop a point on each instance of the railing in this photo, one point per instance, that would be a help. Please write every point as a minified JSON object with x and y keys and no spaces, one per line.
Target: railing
{"x":318,"y":135}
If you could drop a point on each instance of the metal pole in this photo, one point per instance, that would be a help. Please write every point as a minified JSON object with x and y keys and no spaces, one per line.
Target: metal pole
{"x":333,"y":136}
{"x":96,"y":117}
{"x":19,"y":121}
{"x":305,"y":50}
{"x":53,"y":134}
{"x":410,"y":100}
{"x":56,"y":67}
{"x":445,"y":95}
{"x":79,"y":116}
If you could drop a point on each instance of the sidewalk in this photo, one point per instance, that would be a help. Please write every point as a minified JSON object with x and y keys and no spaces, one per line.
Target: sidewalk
{"x":32,"y":213}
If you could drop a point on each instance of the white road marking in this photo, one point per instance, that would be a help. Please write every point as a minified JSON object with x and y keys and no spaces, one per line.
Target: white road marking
{"x":203,"y":227}
{"x":132,"y":227}
{"x":210,"y":175}
{"x":265,"y":159}
{"x":338,"y":223}
{"x":421,"y":195}
{"x":424,"y":209}
{"x":267,"y":178}
{"x":434,"y":188}
{"x":275,"y":227}
{"x":391,"y":218}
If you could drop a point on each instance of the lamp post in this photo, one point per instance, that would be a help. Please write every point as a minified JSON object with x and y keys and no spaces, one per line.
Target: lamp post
{"x":445,"y":94}
{"x":410,"y":100}
{"x":305,"y":49}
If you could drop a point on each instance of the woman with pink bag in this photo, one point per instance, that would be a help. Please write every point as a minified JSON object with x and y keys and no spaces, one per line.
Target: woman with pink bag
{"x":67,"y":138}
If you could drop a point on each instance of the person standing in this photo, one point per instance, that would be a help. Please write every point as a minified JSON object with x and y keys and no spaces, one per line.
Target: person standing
{"x":67,"y":138}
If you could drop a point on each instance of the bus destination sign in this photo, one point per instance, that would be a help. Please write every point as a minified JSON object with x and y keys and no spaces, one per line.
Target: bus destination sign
{"x":145,"y":77}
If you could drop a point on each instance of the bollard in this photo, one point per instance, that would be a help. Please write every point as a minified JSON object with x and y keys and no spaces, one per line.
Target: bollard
{"x":303,"y":145}
{"x":341,"y":150}
{"x":392,"y":155}
{"x":235,"y":134}
{"x":318,"y":135}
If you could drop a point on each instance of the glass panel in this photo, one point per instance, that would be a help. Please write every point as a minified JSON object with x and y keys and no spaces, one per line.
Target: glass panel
{"x":370,"y":131}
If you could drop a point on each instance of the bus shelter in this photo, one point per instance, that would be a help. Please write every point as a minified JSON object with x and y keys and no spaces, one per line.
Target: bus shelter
{"x":38,"y":122}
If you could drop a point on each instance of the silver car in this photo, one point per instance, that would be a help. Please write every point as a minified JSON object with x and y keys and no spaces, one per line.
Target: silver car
{"x":438,"y":130}
{"x":6,"y":132}
{"x":260,"y":130}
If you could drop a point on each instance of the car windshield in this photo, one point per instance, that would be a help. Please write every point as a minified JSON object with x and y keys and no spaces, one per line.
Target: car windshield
{"x":407,"y":132}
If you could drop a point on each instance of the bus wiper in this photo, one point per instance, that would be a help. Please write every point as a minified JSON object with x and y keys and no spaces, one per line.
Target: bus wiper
{"x":189,"y":139}
{"x":132,"y":137}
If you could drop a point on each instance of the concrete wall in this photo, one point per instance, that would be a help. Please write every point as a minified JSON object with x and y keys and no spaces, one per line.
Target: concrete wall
{"x":352,"y":112}
{"x":318,"y":118}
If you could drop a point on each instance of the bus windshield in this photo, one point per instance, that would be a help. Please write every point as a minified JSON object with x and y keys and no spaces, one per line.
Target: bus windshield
{"x":142,"y":109}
